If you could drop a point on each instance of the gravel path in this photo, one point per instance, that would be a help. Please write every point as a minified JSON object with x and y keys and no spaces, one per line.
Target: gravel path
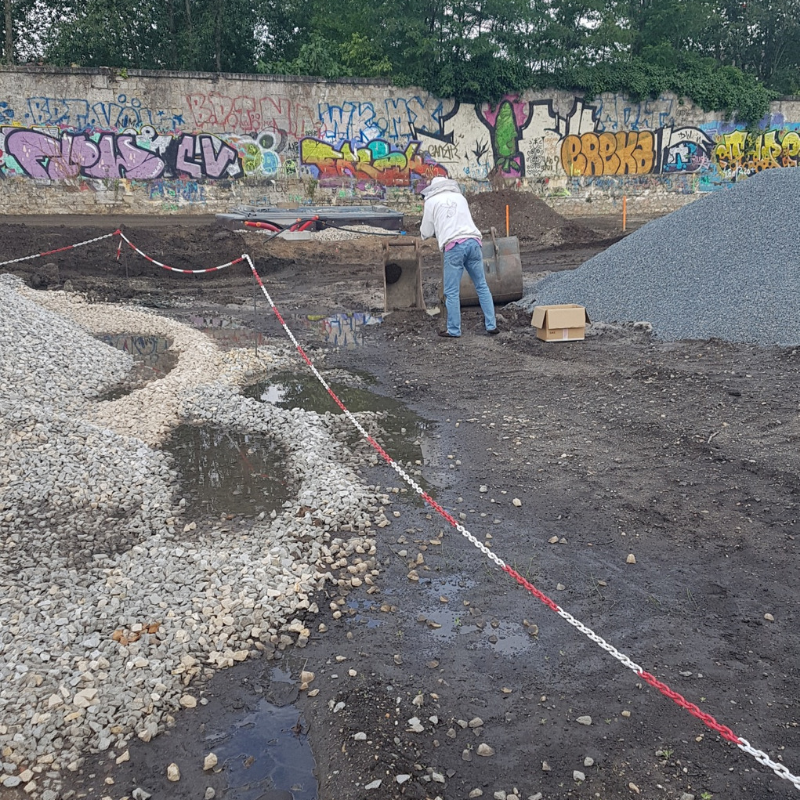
{"x":726,"y":266}
{"x":111,"y":598}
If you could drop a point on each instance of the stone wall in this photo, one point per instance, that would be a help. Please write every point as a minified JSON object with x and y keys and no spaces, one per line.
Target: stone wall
{"x":96,"y":141}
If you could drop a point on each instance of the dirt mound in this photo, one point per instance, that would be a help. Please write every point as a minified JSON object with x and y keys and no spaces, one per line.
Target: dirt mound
{"x":531,"y":219}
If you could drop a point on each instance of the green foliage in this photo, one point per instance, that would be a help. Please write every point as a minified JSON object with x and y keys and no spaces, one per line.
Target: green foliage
{"x":708,"y":84}
{"x":725,"y":55}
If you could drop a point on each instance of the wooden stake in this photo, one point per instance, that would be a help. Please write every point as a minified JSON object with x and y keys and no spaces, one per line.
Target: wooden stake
{"x":624,"y":213}
{"x":507,"y":218}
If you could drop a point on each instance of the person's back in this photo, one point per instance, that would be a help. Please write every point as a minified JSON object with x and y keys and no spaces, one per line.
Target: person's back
{"x":447,"y":214}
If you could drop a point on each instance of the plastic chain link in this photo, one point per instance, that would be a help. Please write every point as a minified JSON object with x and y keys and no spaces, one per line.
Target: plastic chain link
{"x":175,"y":269}
{"x":60,"y":249}
{"x":726,"y":733}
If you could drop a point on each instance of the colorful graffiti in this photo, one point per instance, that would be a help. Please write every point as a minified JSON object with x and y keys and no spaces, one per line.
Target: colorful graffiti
{"x":58,"y":156}
{"x":622,"y":153}
{"x":377,"y":162}
{"x":378,"y":146}
{"x":395,"y":118}
{"x":740,"y":154}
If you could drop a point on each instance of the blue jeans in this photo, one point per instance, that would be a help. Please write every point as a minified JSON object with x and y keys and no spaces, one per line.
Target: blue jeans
{"x":465,"y":256}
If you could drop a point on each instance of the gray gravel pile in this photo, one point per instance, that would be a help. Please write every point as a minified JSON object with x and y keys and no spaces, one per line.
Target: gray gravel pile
{"x":94,"y":651}
{"x":726,"y":266}
{"x":79,"y":488}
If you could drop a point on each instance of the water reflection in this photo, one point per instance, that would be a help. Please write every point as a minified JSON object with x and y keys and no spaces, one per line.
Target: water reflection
{"x":267,"y":755}
{"x":345,"y":329}
{"x":149,"y":350}
{"x":227,"y":472}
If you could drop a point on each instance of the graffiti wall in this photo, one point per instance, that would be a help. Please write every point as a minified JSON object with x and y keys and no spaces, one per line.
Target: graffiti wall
{"x":90,"y":140}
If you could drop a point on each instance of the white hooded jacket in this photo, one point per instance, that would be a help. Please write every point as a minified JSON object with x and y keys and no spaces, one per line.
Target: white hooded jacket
{"x":446,"y":214}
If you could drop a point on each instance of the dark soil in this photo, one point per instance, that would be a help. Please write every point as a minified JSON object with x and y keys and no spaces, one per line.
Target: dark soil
{"x":530,"y":219}
{"x":683,"y":454}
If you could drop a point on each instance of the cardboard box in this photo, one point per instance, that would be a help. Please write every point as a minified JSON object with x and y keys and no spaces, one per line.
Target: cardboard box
{"x":566,"y":323}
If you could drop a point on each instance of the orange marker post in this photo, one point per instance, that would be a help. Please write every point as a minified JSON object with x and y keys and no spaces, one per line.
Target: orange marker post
{"x":624,"y":213}
{"x":507,"y":217}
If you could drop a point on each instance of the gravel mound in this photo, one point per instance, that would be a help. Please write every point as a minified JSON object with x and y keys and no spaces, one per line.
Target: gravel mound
{"x":727,"y":266}
{"x":113,"y":600}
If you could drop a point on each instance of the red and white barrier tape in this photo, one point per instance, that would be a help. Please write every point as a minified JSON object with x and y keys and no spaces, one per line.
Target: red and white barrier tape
{"x":124,"y":238}
{"x":60,"y":249}
{"x":175,"y":269}
{"x":779,"y":769}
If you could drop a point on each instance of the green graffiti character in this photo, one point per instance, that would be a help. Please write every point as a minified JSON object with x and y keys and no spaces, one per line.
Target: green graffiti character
{"x":508,"y":158}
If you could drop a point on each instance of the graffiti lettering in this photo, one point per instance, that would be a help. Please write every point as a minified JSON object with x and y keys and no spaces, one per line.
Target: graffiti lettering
{"x":623,"y":153}
{"x":6,"y":113}
{"x":69,"y":156}
{"x":746,"y":155}
{"x":78,"y":115}
{"x":247,"y":114}
{"x":378,"y":162}
{"x":118,"y":155}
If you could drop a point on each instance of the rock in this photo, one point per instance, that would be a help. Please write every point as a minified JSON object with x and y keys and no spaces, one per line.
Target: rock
{"x":466,"y":755}
{"x":634,"y":788}
{"x":374,"y":785}
{"x":769,"y":618}
{"x":475,"y":722}
{"x":360,"y":736}
{"x":484,"y":750}
{"x":516,"y":502}
{"x":578,"y":776}
{"x":584,"y":720}
{"x":401,"y":779}
{"x":475,"y":793}
{"x":588,"y":761}
{"x":123,"y":757}
{"x":188,"y":701}
{"x":173,"y":773}
{"x":140,"y":794}
{"x":687,"y":796}
{"x":210,"y":761}
{"x":415,"y":726}
{"x":10,"y":781}
{"x":210,"y":793}
{"x":546,"y":767}
{"x":306,"y":677}
{"x":631,"y":559}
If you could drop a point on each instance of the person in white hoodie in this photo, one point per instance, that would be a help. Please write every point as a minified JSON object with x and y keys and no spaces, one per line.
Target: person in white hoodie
{"x":447,"y":217}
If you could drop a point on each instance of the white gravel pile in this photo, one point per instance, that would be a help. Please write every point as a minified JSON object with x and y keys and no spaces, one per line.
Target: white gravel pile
{"x":721,"y":267}
{"x":352,"y":232}
{"x":110,"y":601}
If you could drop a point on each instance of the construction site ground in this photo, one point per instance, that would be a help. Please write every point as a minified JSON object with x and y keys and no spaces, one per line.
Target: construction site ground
{"x":683,"y":455}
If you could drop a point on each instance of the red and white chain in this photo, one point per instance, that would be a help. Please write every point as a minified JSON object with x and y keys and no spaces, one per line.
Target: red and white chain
{"x":60,"y":249}
{"x":779,"y":769}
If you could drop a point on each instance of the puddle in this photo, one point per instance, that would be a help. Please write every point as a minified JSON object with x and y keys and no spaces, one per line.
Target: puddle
{"x":345,"y":329}
{"x":266,"y":755}
{"x":226,"y":472}
{"x":342,"y":330}
{"x":403,"y":429}
{"x":359,"y":605}
{"x":512,"y":638}
{"x":227,"y":332}
{"x":153,"y":358}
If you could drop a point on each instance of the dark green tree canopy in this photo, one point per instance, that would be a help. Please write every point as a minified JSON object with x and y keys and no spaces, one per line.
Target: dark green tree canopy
{"x":731,"y":55}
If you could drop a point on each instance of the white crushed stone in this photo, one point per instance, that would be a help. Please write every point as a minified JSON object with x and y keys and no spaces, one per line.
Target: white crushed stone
{"x":106,"y":616}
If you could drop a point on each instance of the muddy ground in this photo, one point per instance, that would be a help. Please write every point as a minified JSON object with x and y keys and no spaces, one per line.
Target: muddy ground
{"x":682,"y":454}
